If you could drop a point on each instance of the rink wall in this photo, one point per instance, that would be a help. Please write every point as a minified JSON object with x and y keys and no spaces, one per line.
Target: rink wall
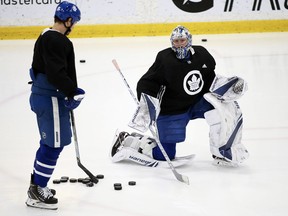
{"x":24,"y":19}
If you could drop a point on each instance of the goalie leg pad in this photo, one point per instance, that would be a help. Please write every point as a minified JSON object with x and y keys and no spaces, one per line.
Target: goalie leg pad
{"x":226,"y":130}
{"x":142,"y":143}
{"x":126,"y":146}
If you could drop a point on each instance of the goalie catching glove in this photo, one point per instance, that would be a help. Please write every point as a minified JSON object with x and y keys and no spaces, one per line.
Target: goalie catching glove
{"x":228,"y":89}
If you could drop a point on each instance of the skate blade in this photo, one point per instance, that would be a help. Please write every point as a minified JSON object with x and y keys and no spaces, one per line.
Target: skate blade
{"x":222,"y":163}
{"x":38,"y":204}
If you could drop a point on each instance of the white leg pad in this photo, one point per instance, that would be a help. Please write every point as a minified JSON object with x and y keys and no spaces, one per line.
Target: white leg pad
{"x":124,"y":143}
{"x":141,"y":143}
{"x":226,"y":130}
{"x":128,"y":153}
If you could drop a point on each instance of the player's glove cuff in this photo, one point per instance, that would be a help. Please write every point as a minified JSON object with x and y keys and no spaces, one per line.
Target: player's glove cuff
{"x":74,"y":102}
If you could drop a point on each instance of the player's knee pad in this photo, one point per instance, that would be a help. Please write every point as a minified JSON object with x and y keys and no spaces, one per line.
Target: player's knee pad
{"x":225,"y":130}
{"x":47,"y":153}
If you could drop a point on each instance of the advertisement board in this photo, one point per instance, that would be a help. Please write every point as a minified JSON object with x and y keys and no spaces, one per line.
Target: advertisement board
{"x":145,"y":14}
{"x":40,"y":12}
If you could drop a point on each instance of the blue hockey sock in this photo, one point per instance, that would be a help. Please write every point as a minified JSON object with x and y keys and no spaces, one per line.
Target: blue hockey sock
{"x":44,"y":164}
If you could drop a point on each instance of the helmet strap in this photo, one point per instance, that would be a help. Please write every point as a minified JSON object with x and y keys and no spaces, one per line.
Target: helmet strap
{"x":67,"y":27}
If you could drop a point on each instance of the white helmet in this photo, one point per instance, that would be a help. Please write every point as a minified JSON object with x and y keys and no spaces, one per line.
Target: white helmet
{"x":180,"y":32}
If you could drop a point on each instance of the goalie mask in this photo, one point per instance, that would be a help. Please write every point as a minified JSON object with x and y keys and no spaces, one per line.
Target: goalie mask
{"x":181,"y":42}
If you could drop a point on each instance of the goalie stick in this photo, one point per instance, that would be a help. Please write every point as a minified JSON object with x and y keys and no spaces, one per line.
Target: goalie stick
{"x":153,"y":129}
{"x":92,"y":177}
{"x":125,"y":81}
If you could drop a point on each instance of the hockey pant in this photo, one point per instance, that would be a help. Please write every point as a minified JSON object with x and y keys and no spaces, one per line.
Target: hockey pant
{"x":53,"y":120}
{"x":225,"y":134}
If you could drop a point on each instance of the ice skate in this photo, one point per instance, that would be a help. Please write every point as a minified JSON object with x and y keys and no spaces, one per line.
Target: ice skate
{"x":39,"y":197}
{"x":223,"y":162}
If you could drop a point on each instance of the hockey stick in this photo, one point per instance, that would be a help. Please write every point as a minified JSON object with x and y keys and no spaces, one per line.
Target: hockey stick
{"x":154,"y":132}
{"x":178,"y":176}
{"x":92,"y":177}
{"x":125,"y":81}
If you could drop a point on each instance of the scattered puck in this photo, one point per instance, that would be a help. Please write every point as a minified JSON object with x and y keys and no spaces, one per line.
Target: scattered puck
{"x":65,"y":177}
{"x":100,"y":176}
{"x":90,"y":184}
{"x":56,"y":181}
{"x":94,"y":180}
{"x":63,"y":180}
{"x":82,"y":61}
{"x":73,"y":180}
{"x":204,"y":40}
{"x":85,"y":181}
{"x":117,"y":187}
{"x":117,"y":184}
{"x":132,"y":183}
{"x":80,"y":179}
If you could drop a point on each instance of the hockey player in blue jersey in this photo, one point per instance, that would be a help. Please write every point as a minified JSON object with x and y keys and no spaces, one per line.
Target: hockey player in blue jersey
{"x":54,"y":93}
{"x":184,"y":82}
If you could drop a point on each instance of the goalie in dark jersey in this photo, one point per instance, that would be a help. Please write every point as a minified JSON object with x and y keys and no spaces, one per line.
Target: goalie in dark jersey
{"x":184,"y":82}
{"x":54,"y":93}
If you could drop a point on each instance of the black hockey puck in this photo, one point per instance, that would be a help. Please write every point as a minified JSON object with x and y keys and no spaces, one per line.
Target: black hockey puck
{"x":117,"y":187}
{"x":90,"y":184}
{"x":80,"y":179}
{"x":63,"y":180}
{"x":65,"y":177}
{"x":204,"y":40}
{"x":85,"y":181}
{"x":82,"y":61}
{"x":99,"y":176}
{"x":56,"y":181}
{"x":94,"y":180}
{"x":73,"y":180}
{"x":117,"y":184}
{"x":132,"y":183}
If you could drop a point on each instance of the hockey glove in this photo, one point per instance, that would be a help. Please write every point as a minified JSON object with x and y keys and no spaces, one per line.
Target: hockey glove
{"x":238,"y":86}
{"x":74,"y":102}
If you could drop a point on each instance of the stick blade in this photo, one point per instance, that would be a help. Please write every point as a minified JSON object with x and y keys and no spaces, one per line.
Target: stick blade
{"x":182,"y":178}
{"x":90,"y":175}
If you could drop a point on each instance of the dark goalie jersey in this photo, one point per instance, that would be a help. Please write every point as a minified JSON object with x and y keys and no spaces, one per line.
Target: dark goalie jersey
{"x":184,"y":83}
{"x":54,"y":56}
